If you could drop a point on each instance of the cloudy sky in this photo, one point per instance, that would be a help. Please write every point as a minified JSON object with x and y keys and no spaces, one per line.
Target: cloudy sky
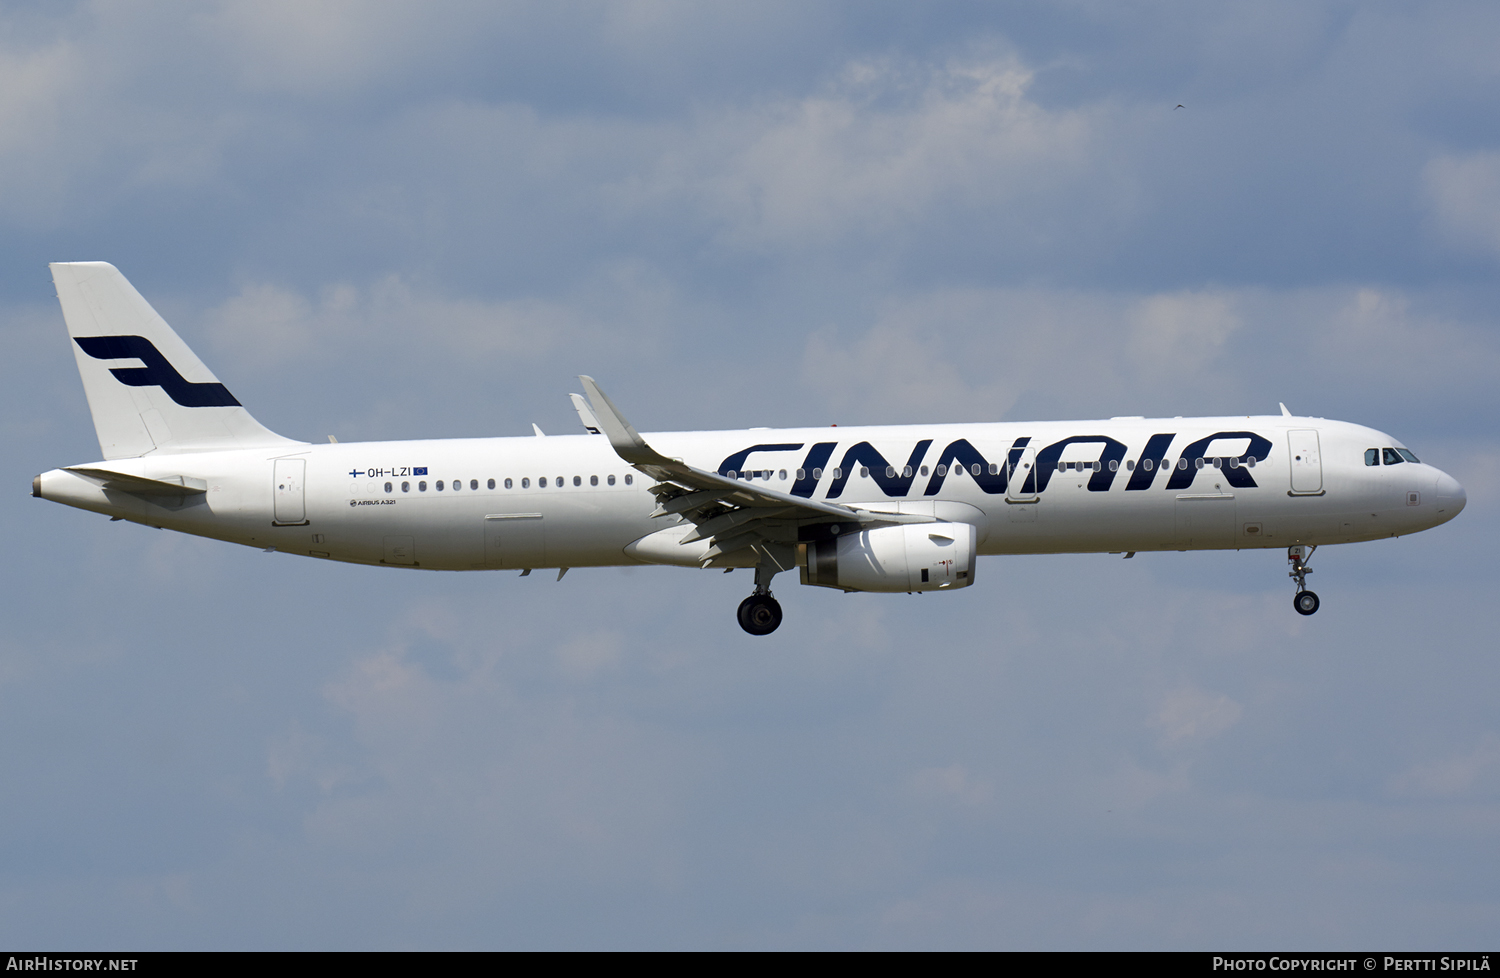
{"x":423,"y":220}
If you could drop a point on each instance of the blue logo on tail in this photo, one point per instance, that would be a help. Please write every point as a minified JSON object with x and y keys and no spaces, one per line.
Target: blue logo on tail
{"x":157,"y":372}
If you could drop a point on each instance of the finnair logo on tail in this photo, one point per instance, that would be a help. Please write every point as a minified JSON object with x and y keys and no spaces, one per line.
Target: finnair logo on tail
{"x":157,"y":372}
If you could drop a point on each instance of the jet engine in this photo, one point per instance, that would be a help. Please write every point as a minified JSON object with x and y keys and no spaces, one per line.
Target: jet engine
{"x":911,"y":557}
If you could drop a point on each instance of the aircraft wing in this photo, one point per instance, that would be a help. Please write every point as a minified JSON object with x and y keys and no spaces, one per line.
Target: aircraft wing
{"x":730,"y":513}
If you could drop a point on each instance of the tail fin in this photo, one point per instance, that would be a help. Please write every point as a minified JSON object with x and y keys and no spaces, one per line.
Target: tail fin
{"x":147,"y":391}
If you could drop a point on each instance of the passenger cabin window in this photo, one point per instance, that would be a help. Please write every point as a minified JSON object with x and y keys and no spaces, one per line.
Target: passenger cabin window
{"x":491,"y":484}
{"x":440,"y":485}
{"x":577,"y":480}
{"x":1372,"y":456}
{"x":611,"y":480}
{"x":474,"y":484}
{"x":508,"y":484}
{"x":1391,"y":458}
{"x":593,"y":480}
{"x":629,"y":478}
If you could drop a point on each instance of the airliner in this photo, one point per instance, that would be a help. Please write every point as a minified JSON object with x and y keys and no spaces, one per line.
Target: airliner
{"x":901,"y":508}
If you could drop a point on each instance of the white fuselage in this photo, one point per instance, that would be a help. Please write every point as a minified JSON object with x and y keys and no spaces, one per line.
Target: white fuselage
{"x":569,"y":501}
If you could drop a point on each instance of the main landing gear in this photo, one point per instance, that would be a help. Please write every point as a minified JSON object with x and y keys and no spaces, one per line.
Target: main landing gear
{"x":760,"y":614}
{"x":1304,"y":600}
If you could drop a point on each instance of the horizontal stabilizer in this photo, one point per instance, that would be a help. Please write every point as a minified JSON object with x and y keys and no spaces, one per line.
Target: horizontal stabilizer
{"x":176,"y":485}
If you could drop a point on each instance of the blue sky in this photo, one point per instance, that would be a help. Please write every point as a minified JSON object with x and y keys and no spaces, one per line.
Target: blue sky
{"x":405,"y":221}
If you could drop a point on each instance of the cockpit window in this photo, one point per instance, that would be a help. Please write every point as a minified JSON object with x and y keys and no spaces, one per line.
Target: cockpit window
{"x":1406,"y":455}
{"x":1391,"y":458}
{"x":1372,"y":456}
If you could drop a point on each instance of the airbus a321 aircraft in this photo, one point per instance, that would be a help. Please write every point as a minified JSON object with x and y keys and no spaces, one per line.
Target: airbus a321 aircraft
{"x":905,"y":508}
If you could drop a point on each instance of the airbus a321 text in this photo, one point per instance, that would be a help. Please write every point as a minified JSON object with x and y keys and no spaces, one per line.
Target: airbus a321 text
{"x":904,"y":508}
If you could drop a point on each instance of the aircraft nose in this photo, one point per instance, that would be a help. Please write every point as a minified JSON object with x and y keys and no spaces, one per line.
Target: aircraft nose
{"x":1451,"y":497}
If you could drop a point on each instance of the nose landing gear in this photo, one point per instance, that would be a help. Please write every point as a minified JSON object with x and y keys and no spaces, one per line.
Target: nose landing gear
{"x":1305,"y":601}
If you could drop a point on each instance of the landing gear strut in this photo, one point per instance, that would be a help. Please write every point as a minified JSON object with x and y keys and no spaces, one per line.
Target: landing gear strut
{"x":760,"y":614}
{"x":1304,"y":600}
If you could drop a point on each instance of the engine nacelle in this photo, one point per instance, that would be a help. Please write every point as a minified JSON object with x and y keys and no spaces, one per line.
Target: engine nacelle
{"x":911,"y":557}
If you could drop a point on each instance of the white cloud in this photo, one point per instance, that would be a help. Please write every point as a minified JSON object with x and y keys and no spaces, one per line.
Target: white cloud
{"x":1130,"y":786}
{"x":984,"y":354}
{"x":37,"y":88}
{"x":1188,"y":715}
{"x":322,"y":48}
{"x":1463,"y":196}
{"x":588,"y":654}
{"x":266,"y":324}
{"x":1181,"y":332}
{"x":953,"y":783}
{"x":519,"y":787}
{"x":891,"y":372}
{"x":1476,"y":772}
{"x":886,"y":144}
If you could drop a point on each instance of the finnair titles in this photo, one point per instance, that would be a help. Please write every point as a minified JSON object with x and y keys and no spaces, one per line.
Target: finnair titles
{"x":902,"y":508}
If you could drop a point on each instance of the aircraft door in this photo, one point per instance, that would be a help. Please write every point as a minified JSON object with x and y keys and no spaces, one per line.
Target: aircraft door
{"x":1021,"y":486}
{"x":515,"y":540}
{"x":289,"y":508}
{"x":1307,"y":461}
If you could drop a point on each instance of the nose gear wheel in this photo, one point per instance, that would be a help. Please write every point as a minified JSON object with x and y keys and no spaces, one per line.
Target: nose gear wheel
{"x":1305,"y":601}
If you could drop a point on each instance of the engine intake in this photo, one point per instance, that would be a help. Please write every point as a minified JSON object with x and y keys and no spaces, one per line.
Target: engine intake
{"x":912,"y":557}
